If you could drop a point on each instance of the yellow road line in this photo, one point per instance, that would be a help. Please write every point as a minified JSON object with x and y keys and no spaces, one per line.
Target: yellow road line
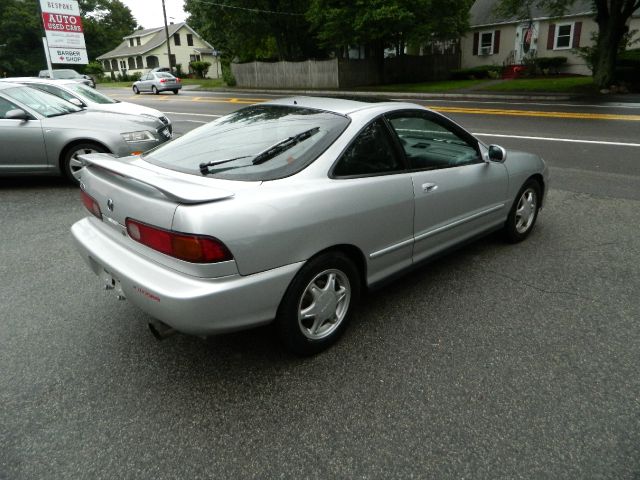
{"x":438,"y":108}
{"x":537,"y":113}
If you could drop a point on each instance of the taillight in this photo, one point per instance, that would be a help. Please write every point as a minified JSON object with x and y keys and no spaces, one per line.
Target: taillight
{"x":177,"y":79}
{"x":162,"y":80}
{"x":187,"y":247}
{"x":91,"y":204}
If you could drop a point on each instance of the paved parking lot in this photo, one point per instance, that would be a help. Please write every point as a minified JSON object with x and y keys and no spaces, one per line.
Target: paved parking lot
{"x":498,"y":361}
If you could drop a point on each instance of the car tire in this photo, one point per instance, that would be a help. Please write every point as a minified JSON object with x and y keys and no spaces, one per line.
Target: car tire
{"x":318,"y":303}
{"x":175,"y":92}
{"x":70,"y":163}
{"x":524,"y":212}
{"x":155,"y":90}
{"x":135,"y":90}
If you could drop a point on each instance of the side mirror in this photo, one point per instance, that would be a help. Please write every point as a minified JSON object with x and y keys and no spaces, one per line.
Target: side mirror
{"x":77,"y":102}
{"x":17,"y":114}
{"x":497,"y":153}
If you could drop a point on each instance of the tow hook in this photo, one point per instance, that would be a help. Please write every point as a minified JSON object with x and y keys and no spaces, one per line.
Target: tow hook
{"x":161,"y":330}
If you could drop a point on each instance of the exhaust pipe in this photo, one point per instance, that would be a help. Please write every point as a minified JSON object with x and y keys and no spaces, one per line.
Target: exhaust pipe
{"x":161,"y":330}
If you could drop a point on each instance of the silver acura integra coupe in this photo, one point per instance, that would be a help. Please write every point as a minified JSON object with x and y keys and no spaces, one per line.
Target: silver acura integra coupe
{"x":288,"y":210}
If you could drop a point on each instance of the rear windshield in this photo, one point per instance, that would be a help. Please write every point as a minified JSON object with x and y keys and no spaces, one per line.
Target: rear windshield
{"x":66,"y":74}
{"x":263,"y":142}
{"x":164,"y":75}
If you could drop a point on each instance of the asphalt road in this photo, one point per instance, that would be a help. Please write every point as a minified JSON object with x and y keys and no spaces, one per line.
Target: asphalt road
{"x":498,"y":361}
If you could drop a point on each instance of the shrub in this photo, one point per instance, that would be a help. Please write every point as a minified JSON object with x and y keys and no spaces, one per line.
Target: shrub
{"x":227,"y":74}
{"x":480,"y":72}
{"x":179,"y":72}
{"x":550,"y":64}
{"x":200,"y":68}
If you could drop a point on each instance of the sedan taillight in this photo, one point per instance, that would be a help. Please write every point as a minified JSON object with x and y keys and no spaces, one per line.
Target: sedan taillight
{"x":91,"y":204}
{"x":162,"y":80}
{"x":184,"y":246}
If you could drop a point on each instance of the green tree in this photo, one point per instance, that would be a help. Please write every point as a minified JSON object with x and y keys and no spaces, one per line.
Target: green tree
{"x":255,"y":29}
{"x":379,"y":24}
{"x":610,"y":15}
{"x":105,"y":22}
{"x":21,"y":50}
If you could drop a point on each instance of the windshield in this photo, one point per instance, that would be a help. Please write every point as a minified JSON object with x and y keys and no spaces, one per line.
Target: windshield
{"x":66,"y":74}
{"x":44,"y":103}
{"x":227,"y":147}
{"x":91,"y":94}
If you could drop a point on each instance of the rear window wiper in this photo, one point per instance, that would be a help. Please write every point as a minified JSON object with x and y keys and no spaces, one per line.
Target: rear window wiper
{"x":286,"y":144}
{"x":204,"y":167}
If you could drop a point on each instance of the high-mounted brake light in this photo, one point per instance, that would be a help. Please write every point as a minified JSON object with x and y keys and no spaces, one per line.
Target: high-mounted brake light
{"x":91,"y":204}
{"x":184,"y":246}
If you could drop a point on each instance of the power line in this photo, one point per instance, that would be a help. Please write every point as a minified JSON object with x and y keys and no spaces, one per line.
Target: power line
{"x":254,"y":10}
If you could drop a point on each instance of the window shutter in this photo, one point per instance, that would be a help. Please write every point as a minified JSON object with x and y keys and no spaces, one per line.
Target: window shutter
{"x":551,"y":37}
{"x":476,"y":43}
{"x":577,"y":30}
{"x":496,"y":41}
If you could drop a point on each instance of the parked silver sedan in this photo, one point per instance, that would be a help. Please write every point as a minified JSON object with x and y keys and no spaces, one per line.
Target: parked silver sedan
{"x":288,"y":210}
{"x":41,"y":133}
{"x":90,"y":98}
{"x":156,"y":82}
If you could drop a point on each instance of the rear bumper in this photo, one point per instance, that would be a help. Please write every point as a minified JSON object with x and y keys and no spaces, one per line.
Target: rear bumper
{"x":167,"y":88}
{"x":199,"y":306}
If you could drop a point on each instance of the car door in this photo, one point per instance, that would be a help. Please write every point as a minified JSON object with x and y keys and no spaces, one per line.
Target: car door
{"x":372,"y":178}
{"x":22,"y":141}
{"x":143,"y":84}
{"x":457,"y":193}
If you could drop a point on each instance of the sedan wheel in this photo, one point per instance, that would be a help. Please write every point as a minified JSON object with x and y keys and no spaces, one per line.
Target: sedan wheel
{"x":71,"y":163}
{"x":315,"y":308}
{"x":155,"y":90}
{"x":135,"y":90}
{"x":524,"y":212}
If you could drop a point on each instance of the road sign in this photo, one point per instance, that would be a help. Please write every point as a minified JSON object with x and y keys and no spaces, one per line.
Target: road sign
{"x":63,"y":27}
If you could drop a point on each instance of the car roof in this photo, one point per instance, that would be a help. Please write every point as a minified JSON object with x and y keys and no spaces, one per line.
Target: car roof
{"x":4,"y":85}
{"x":342,"y":106}
{"x":51,"y":81}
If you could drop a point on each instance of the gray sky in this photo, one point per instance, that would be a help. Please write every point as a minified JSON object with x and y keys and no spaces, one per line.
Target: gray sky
{"x":148,"y":13}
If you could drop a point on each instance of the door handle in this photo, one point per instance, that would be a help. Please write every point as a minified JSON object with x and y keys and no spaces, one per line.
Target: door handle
{"x":429,"y":187}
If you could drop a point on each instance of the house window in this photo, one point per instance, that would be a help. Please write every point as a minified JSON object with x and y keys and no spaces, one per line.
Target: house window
{"x":189,"y":39}
{"x":123,"y":65}
{"x":172,"y":60}
{"x":137,"y":40}
{"x":107,"y":66}
{"x":194,"y":58}
{"x":131,"y":42}
{"x":139,"y":65}
{"x":176,"y":39}
{"x":564,"y":36}
{"x":486,"y":43}
{"x":152,"y":61}
{"x":132,"y":63}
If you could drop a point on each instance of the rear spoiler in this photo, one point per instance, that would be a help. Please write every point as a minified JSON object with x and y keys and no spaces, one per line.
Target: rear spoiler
{"x":174,"y":188}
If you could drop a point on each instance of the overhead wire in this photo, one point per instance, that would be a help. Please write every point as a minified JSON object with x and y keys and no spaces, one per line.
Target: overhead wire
{"x":247,"y":9}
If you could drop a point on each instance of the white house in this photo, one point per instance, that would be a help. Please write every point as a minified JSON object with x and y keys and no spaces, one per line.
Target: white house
{"x":494,"y":40}
{"x":143,"y":50}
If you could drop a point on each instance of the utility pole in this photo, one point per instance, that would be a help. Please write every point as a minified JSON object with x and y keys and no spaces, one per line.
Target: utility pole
{"x":166,"y":32}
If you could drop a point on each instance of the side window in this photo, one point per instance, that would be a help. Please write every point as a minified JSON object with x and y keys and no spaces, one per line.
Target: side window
{"x":372,"y":152}
{"x":5,"y":106}
{"x":58,"y":92}
{"x":429,"y":145}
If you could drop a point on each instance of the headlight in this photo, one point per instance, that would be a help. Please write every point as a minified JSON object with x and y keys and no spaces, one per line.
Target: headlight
{"x":141,"y":136}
